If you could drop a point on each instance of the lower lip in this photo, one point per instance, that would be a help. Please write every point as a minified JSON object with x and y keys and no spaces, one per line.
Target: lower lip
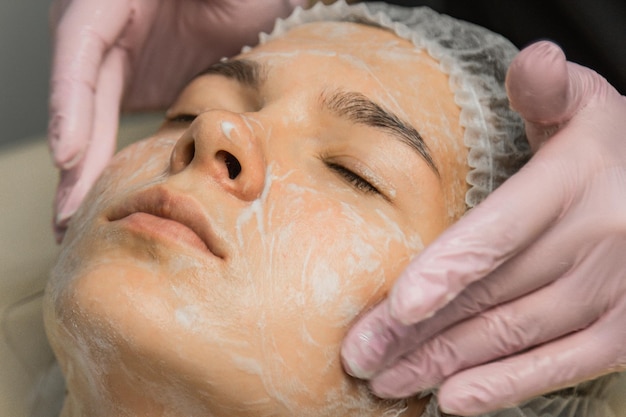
{"x":160,"y":228}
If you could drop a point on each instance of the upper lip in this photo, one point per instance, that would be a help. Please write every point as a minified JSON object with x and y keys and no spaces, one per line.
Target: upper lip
{"x":162,"y":202}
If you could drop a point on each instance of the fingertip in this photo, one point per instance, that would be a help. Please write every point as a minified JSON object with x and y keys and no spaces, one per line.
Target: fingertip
{"x":59,"y":231}
{"x":389,"y":384}
{"x":64,"y":215}
{"x":480,"y":390}
{"x":399,"y":381}
{"x":463,"y":399}
{"x":352,"y":351}
{"x":364,"y":347}
{"x":65,"y":210}
{"x":385,"y":387}
{"x":61,"y":215}
{"x":65,"y":157}
{"x":537,"y":84}
{"x":68,"y":197}
{"x":351,"y":364}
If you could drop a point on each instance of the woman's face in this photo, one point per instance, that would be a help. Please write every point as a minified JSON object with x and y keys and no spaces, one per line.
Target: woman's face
{"x":216,"y":266}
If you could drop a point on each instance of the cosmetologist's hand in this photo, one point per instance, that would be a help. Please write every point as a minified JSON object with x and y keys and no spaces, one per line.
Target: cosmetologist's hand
{"x":529,"y":288}
{"x":135,"y":55}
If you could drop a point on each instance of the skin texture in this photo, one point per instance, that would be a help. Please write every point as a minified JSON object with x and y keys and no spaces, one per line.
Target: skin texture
{"x":238,"y":305}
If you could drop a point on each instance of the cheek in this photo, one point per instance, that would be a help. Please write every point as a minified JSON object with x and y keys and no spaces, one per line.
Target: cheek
{"x":115,"y":306}
{"x":176,"y":329}
{"x":270,"y":324}
{"x":139,"y":162}
{"x":314,"y":264}
{"x":310,"y":268}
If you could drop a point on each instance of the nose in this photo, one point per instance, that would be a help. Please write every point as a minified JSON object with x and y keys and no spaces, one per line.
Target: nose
{"x":222,"y":145}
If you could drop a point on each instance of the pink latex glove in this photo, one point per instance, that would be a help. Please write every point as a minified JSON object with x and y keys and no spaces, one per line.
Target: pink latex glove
{"x":529,"y":289}
{"x":135,"y":54}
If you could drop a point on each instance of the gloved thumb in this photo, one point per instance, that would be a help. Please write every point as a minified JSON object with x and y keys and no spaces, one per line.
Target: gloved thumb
{"x":547,"y":90}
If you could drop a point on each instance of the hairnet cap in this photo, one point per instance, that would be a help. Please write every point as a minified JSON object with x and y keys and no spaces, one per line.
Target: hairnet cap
{"x":476,"y":61}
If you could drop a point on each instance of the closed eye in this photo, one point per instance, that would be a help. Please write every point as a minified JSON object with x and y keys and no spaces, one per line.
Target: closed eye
{"x":358,"y":182}
{"x":182,"y":118}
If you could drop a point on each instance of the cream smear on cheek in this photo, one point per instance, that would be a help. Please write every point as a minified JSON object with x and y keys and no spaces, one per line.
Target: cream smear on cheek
{"x":105,"y":190}
{"x":303,"y":284}
{"x":294,"y":281}
{"x":95,"y":353}
{"x":300,"y":292}
{"x":256,"y":208}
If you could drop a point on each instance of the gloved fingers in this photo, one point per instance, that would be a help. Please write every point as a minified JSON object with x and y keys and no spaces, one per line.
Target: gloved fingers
{"x":377,"y":341}
{"x":574,"y":358}
{"x":85,"y":33}
{"x":548,"y":91}
{"x":381,"y":336}
{"x":76,"y":182}
{"x":371,"y":343}
{"x":510,"y":328}
{"x":480,"y":242}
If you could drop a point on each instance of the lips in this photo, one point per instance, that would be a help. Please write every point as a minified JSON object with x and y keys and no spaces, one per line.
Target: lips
{"x":164,"y":214}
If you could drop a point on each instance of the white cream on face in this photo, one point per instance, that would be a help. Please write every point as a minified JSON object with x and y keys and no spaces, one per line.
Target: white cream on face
{"x":255,"y":210}
{"x":227,"y":128}
{"x":258,"y":332}
{"x":308,"y":282}
{"x":302,"y":280}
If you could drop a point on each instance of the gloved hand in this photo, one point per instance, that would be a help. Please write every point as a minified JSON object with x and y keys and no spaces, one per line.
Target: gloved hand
{"x":529,"y":289}
{"x":135,"y":54}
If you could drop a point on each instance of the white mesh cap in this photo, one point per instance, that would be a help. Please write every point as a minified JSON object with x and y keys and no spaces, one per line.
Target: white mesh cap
{"x":588,"y":399}
{"x":476,"y":61}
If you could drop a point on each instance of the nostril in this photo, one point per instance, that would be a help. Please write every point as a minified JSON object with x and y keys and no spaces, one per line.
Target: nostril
{"x":232,"y":164}
{"x":188,"y":152}
{"x":183,"y":154}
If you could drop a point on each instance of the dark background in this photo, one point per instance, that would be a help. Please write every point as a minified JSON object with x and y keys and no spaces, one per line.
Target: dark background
{"x":24,"y":66}
{"x":591,"y":32}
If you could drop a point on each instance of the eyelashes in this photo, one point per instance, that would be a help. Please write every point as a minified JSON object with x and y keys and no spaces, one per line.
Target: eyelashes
{"x":182,"y":118}
{"x":354,"y":179}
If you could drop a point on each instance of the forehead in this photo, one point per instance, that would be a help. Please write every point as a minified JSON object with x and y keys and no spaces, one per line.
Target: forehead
{"x":392,"y":71}
{"x":342,"y":35}
{"x":373,"y":60}
{"x":373,"y":45}
{"x":347,"y":42}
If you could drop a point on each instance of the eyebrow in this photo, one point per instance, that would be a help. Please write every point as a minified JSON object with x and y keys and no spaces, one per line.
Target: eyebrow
{"x":354,"y":106}
{"x":244,"y":71}
{"x":358,"y":108}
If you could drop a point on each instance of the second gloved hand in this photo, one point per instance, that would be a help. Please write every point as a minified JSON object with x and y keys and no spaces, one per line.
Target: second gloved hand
{"x":135,"y":54}
{"x":528,"y":291}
